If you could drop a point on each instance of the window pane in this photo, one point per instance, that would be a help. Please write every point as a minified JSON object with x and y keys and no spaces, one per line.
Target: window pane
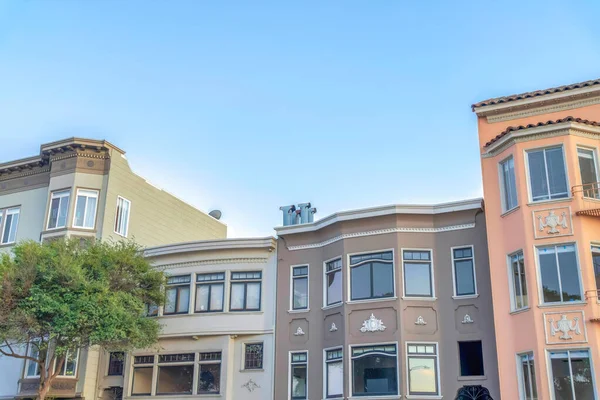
{"x":142,"y":381}
{"x":175,"y":379}
{"x":569,"y":274}
{"x":299,"y":382}
{"x":216,"y":297}
{"x":510,"y":186}
{"x":422,"y":375}
{"x":70,"y":364}
{"x":183,"y":305}
{"x":115,"y":364}
{"x":549,"y":273}
{"x":383,"y":280}
{"x":374,"y":375}
{"x":528,"y":385}
{"x":90,"y":215}
{"x":471,"y":358}
{"x":596,"y":262}
{"x":537,"y":175}
{"x":10,"y":228}
{"x":556,"y":173}
{"x":52,"y":221}
{"x":334,"y":287}
{"x":202,"y":297}
{"x":300,"y":293}
{"x":209,"y":380}
{"x":253,"y":296}
{"x":465,"y":281}
{"x":335,"y":378}
{"x":170,"y":300}
{"x":62,"y":212}
{"x":237,"y":296}
{"x":361,"y":282}
{"x":582,"y":375}
{"x":587,"y":166}
{"x":417,"y":279}
{"x":254,"y":356}
{"x":80,"y":210}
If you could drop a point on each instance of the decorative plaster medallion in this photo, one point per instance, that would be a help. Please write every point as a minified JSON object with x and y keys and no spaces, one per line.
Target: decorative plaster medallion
{"x":333,"y":327}
{"x":251,"y":386}
{"x":552,"y":221}
{"x":299,"y":332}
{"x":565,"y":326}
{"x":420,"y":321}
{"x":372,"y":325}
{"x":467,"y":319}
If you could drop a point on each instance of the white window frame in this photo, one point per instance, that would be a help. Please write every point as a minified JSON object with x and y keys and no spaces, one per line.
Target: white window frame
{"x":152,"y":366}
{"x":511,"y":282}
{"x":292,"y":278}
{"x":351,"y":371}
{"x":250,"y":343}
{"x":177,"y":286}
{"x":245,"y":281}
{"x":550,"y":376}
{"x":437,"y":366}
{"x":349,"y":280}
{"x":520,"y":373}
{"x":326,"y":377}
{"x":432,"y":272}
{"x":3,"y":216}
{"x":64,"y":366}
{"x":88,"y":193}
{"x":530,"y":194}
{"x":289,"y":374}
{"x":59,"y":194}
{"x":505,"y":208}
{"x":28,"y":362}
{"x":464,"y":296}
{"x":209,"y":284}
{"x":117,"y":217}
{"x":594,"y":152}
{"x":325,"y":273}
{"x":539,"y":274}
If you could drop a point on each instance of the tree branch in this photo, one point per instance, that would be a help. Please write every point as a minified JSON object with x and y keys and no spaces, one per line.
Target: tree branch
{"x":15,"y":355}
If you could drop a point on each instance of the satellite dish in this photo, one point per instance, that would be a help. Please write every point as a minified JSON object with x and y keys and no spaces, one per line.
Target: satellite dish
{"x":216,"y":214}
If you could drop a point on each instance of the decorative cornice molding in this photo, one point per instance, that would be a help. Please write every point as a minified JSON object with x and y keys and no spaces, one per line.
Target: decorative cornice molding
{"x":543,"y":110}
{"x":381,"y":232}
{"x":267,"y":243}
{"x":13,"y":175}
{"x":103,"y":156}
{"x":244,"y":260}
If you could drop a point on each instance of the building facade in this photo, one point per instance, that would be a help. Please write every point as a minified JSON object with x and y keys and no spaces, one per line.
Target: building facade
{"x":539,"y":156}
{"x":384,"y":303}
{"x":85,"y":189}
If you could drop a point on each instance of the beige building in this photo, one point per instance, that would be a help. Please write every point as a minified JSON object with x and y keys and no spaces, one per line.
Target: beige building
{"x":85,"y":188}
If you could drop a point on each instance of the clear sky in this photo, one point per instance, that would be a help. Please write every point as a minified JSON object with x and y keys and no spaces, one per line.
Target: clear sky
{"x":246,"y":106}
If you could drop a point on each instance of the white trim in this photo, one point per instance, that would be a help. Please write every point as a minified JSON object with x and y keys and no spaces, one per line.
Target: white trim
{"x":65,"y":366}
{"x":541,"y":302}
{"x":520,"y":380}
{"x":471,"y":204}
{"x":268,"y":243}
{"x":291,"y":308}
{"x":58,"y":194}
{"x":91,"y":193}
{"x":438,"y":372}
{"x":526,"y":152}
{"x":432,"y":275}
{"x":349,"y":274}
{"x":126,"y":225}
{"x":4,"y":213}
{"x":325,"y":378}
{"x":511,"y":282}
{"x":325,"y":295}
{"x":466,"y":296}
{"x":568,"y":350}
{"x":501,"y":182}
{"x":351,"y":372}
{"x":289,"y":374}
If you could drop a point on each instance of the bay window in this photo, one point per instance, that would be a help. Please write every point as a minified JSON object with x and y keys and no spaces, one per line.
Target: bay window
{"x":464,"y":271}
{"x":372,"y":276}
{"x":518,"y":281}
{"x":508,"y":185}
{"x":559,"y":272}
{"x":178,"y":295}
{"x":526,"y":372}
{"x":423,"y":369}
{"x":175,"y":374}
{"x":85,"y":209}
{"x":210,"y":290}
{"x":374,"y":370}
{"x":333,"y":282}
{"x":418,"y":273}
{"x":245,"y":291}
{"x":334,"y":373}
{"x":59,"y":208}
{"x":571,"y":375}
{"x":69,"y":367}
{"x":547,"y":174}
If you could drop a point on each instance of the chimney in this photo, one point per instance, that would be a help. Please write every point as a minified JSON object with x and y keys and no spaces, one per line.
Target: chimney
{"x":289,"y":213}
{"x":304,"y":214}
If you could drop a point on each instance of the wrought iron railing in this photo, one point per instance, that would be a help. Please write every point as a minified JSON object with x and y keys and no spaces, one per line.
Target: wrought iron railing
{"x":588,"y":199}
{"x":587,"y":191}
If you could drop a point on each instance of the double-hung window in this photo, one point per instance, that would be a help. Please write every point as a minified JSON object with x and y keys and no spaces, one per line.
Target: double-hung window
{"x":116,"y":360}
{"x":209,"y":373}
{"x":372,"y":276}
{"x":298,"y":369}
{"x":175,"y":374}
{"x":333,"y":282}
{"x":423,"y":369}
{"x":334,"y":373}
{"x":245,"y":291}
{"x":526,"y":372}
{"x":178,"y":295}
{"x":418,"y":273}
{"x":375,"y":370}
{"x":69,"y":366}
{"x":518,"y":281}
{"x":559,"y":272}
{"x":589,"y":173}
{"x":210,"y":289}
{"x":9,"y":221}
{"x":464,"y":271}
{"x":508,"y":185}
{"x":142,"y":375}
{"x":59,"y":208}
{"x":572,"y":375}
{"x":85,"y":209}
{"x":253,"y":355}
{"x":300,"y":287}
{"x":122,"y":216}
{"x":596,"y":263}
{"x":547,"y":174}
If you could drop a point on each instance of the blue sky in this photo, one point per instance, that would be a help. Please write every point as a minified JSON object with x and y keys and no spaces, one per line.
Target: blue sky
{"x":247,"y":106}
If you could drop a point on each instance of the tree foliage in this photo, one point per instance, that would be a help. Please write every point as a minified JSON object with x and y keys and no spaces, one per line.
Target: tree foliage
{"x":62,"y":296}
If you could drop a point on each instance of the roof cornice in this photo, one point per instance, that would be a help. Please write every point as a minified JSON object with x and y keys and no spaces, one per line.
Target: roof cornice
{"x":267,"y":243}
{"x":415,"y":209}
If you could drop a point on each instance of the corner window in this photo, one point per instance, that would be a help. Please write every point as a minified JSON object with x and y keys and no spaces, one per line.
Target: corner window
{"x":588,"y":169}
{"x":333,"y":282}
{"x":175,"y":374}
{"x":142,"y":375}
{"x":508,"y":185}
{"x":69,"y":367}
{"x":559,"y":273}
{"x":464,"y":271}
{"x":596,"y":262}
{"x":526,"y":371}
{"x":471,"y":358}
{"x":178,"y":295}
{"x":210,"y":289}
{"x":245,"y":291}
{"x":300,"y":287}
{"x":122,"y":216}
{"x":9,"y":221}
{"x":572,"y":375}
{"x":59,"y":208}
{"x":418,"y":274}
{"x":115,"y":364}
{"x":372,"y":276}
{"x":374,"y":371}
{"x":253,"y":355}
{"x":547,"y":174}
{"x":209,"y":373}
{"x":423,"y":369}
{"x":334,"y":373}
{"x":298,"y":368}
{"x":518,"y":280}
{"x":85,"y":209}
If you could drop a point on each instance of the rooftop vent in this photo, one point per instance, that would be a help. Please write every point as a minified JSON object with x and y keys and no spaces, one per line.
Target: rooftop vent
{"x":296,"y":215}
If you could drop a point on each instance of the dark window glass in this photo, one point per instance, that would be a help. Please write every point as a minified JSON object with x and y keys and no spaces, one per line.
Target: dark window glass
{"x":560,"y":273}
{"x":115,"y":364}
{"x":372,"y":279}
{"x":209,"y":380}
{"x":596,"y":262}
{"x":245,"y":291}
{"x":417,"y":274}
{"x":464,"y":272}
{"x":471,"y":358}
{"x":509,"y":186}
{"x":298,"y":378}
{"x":527,"y":372}
{"x":210,"y":296}
{"x":547,"y":175}
{"x":300,"y":288}
{"x":175,"y":379}
{"x":374,"y":373}
{"x":254,"y":356}
{"x":170,"y":358}
{"x":572,"y":375}
{"x":178,"y":295}
{"x":519,"y":281}
{"x":333,"y":273}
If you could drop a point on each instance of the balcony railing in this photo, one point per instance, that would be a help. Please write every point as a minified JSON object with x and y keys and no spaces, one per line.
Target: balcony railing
{"x":588,"y":199}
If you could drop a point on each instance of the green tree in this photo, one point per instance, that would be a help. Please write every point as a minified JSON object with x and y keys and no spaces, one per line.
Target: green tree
{"x":62,"y":296}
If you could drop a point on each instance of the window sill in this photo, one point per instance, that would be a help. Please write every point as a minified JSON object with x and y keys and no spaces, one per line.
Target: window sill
{"x":472,"y":378}
{"x":466,"y":297}
{"x":372,"y":301}
{"x":563,"y":200}
{"x":512,"y":210}
{"x":7,"y":244}
{"x":520,"y":311}
{"x":299,"y":311}
{"x":552,"y":305}
{"x":329,"y":307}
{"x":419,"y":298}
